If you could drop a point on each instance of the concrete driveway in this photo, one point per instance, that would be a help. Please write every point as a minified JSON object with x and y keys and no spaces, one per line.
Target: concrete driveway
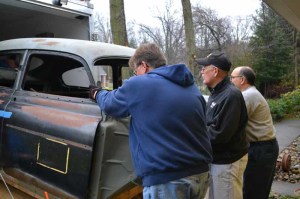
{"x":287,"y":131}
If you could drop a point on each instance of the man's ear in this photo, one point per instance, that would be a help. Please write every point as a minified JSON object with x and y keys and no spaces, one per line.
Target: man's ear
{"x":216,"y":71}
{"x":244,"y":80}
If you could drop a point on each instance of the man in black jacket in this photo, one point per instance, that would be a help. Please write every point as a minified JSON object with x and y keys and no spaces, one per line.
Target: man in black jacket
{"x":226,"y":116}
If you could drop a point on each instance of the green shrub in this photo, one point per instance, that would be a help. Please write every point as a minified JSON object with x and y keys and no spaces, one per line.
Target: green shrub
{"x":288,"y":105}
{"x":293,"y":102}
{"x":277,"y":108}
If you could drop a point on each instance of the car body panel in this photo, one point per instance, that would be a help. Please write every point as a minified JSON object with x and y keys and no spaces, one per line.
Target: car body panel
{"x":53,"y":137}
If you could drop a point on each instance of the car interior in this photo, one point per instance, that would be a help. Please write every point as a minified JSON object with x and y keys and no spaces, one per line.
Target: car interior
{"x":9,"y":63}
{"x":59,"y":75}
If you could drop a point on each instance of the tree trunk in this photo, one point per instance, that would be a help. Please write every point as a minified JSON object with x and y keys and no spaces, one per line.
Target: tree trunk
{"x":296,"y":57}
{"x":189,"y":35}
{"x":118,"y":22}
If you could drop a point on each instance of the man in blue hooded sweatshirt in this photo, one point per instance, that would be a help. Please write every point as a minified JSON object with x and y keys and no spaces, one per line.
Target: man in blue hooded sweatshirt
{"x":168,"y":139}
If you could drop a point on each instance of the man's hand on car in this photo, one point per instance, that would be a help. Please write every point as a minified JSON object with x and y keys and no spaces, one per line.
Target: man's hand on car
{"x":93,"y":91}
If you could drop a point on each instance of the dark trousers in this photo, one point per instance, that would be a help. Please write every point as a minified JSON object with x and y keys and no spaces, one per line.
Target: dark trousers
{"x":260,"y":169}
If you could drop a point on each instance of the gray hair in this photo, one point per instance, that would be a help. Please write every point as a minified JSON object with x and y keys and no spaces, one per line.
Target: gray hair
{"x":149,"y":53}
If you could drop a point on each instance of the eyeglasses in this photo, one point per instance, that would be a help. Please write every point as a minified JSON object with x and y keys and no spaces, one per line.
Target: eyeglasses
{"x":232,"y":77}
{"x":206,"y":68}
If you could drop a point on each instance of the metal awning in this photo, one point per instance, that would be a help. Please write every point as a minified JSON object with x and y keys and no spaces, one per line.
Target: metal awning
{"x":288,"y":9}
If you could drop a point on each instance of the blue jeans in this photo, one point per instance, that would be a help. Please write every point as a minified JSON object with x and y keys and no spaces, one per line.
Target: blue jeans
{"x":192,"y":187}
{"x":260,"y":170}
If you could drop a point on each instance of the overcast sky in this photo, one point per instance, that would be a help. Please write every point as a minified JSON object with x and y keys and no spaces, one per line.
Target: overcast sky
{"x":144,"y":10}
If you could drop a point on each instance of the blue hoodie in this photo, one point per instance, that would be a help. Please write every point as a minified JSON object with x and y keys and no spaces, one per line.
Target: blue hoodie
{"x":167,"y":136}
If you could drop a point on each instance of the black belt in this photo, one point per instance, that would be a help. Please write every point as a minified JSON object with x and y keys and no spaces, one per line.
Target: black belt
{"x":274,"y":140}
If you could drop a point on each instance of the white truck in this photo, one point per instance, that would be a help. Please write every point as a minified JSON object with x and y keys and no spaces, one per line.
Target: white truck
{"x":46,"y":18}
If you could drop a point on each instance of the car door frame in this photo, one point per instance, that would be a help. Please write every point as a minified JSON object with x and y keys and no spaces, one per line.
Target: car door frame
{"x":37,"y":124}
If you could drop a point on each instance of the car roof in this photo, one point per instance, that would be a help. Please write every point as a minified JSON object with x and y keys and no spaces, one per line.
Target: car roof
{"x":89,"y":50}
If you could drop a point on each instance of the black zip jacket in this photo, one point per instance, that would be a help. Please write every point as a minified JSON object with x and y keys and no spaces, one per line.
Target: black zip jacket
{"x":226,"y":116}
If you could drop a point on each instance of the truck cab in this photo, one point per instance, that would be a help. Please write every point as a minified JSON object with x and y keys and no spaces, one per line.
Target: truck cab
{"x":54,"y":138}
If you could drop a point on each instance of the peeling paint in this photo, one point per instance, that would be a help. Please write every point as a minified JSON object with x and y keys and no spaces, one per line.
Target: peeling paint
{"x":61,"y":118}
{"x":3,"y":94}
{"x":57,"y":104}
{"x":39,"y":40}
{"x":44,"y":42}
{"x":67,"y":141}
{"x":50,"y":43}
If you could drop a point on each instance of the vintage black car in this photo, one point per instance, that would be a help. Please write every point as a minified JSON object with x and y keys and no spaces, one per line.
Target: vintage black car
{"x":54,"y":139}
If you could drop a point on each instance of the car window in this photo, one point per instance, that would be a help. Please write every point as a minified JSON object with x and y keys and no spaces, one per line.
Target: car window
{"x":127,"y":73}
{"x":110,"y":73}
{"x":76,"y":77}
{"x":103,"y":75}
{"x":9,"y":65}
{"x":56,"y":74}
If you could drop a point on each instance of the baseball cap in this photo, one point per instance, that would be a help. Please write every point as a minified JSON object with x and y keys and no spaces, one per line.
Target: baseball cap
{"x":218,"y":59}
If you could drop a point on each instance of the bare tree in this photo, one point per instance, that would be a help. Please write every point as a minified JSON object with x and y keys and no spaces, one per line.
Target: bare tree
{"x":189,"y":34}
{"x":132,"y":35}
{"x":180,"y":41}
{"x":296,"y":57}
{"x":102,"y":29}
{"x":151,"y":34}
{"x":118,"y":22}
{"x":239,"y":47}
{"x":225,"y":34}
{"x":241,"y":29}
{"x":169,"y":36}
{"x":212,"y":32}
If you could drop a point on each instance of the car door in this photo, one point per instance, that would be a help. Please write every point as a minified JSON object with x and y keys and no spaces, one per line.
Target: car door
{"x":48,"y":139}
{"x":115,"y":176}
{"x":9,"y":68}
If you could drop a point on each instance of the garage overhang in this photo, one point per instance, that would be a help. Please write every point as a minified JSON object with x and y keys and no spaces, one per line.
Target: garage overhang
{"x":288,"y":9}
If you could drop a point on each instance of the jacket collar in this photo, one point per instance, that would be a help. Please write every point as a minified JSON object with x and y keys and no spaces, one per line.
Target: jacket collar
{"x":220,"y":86}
